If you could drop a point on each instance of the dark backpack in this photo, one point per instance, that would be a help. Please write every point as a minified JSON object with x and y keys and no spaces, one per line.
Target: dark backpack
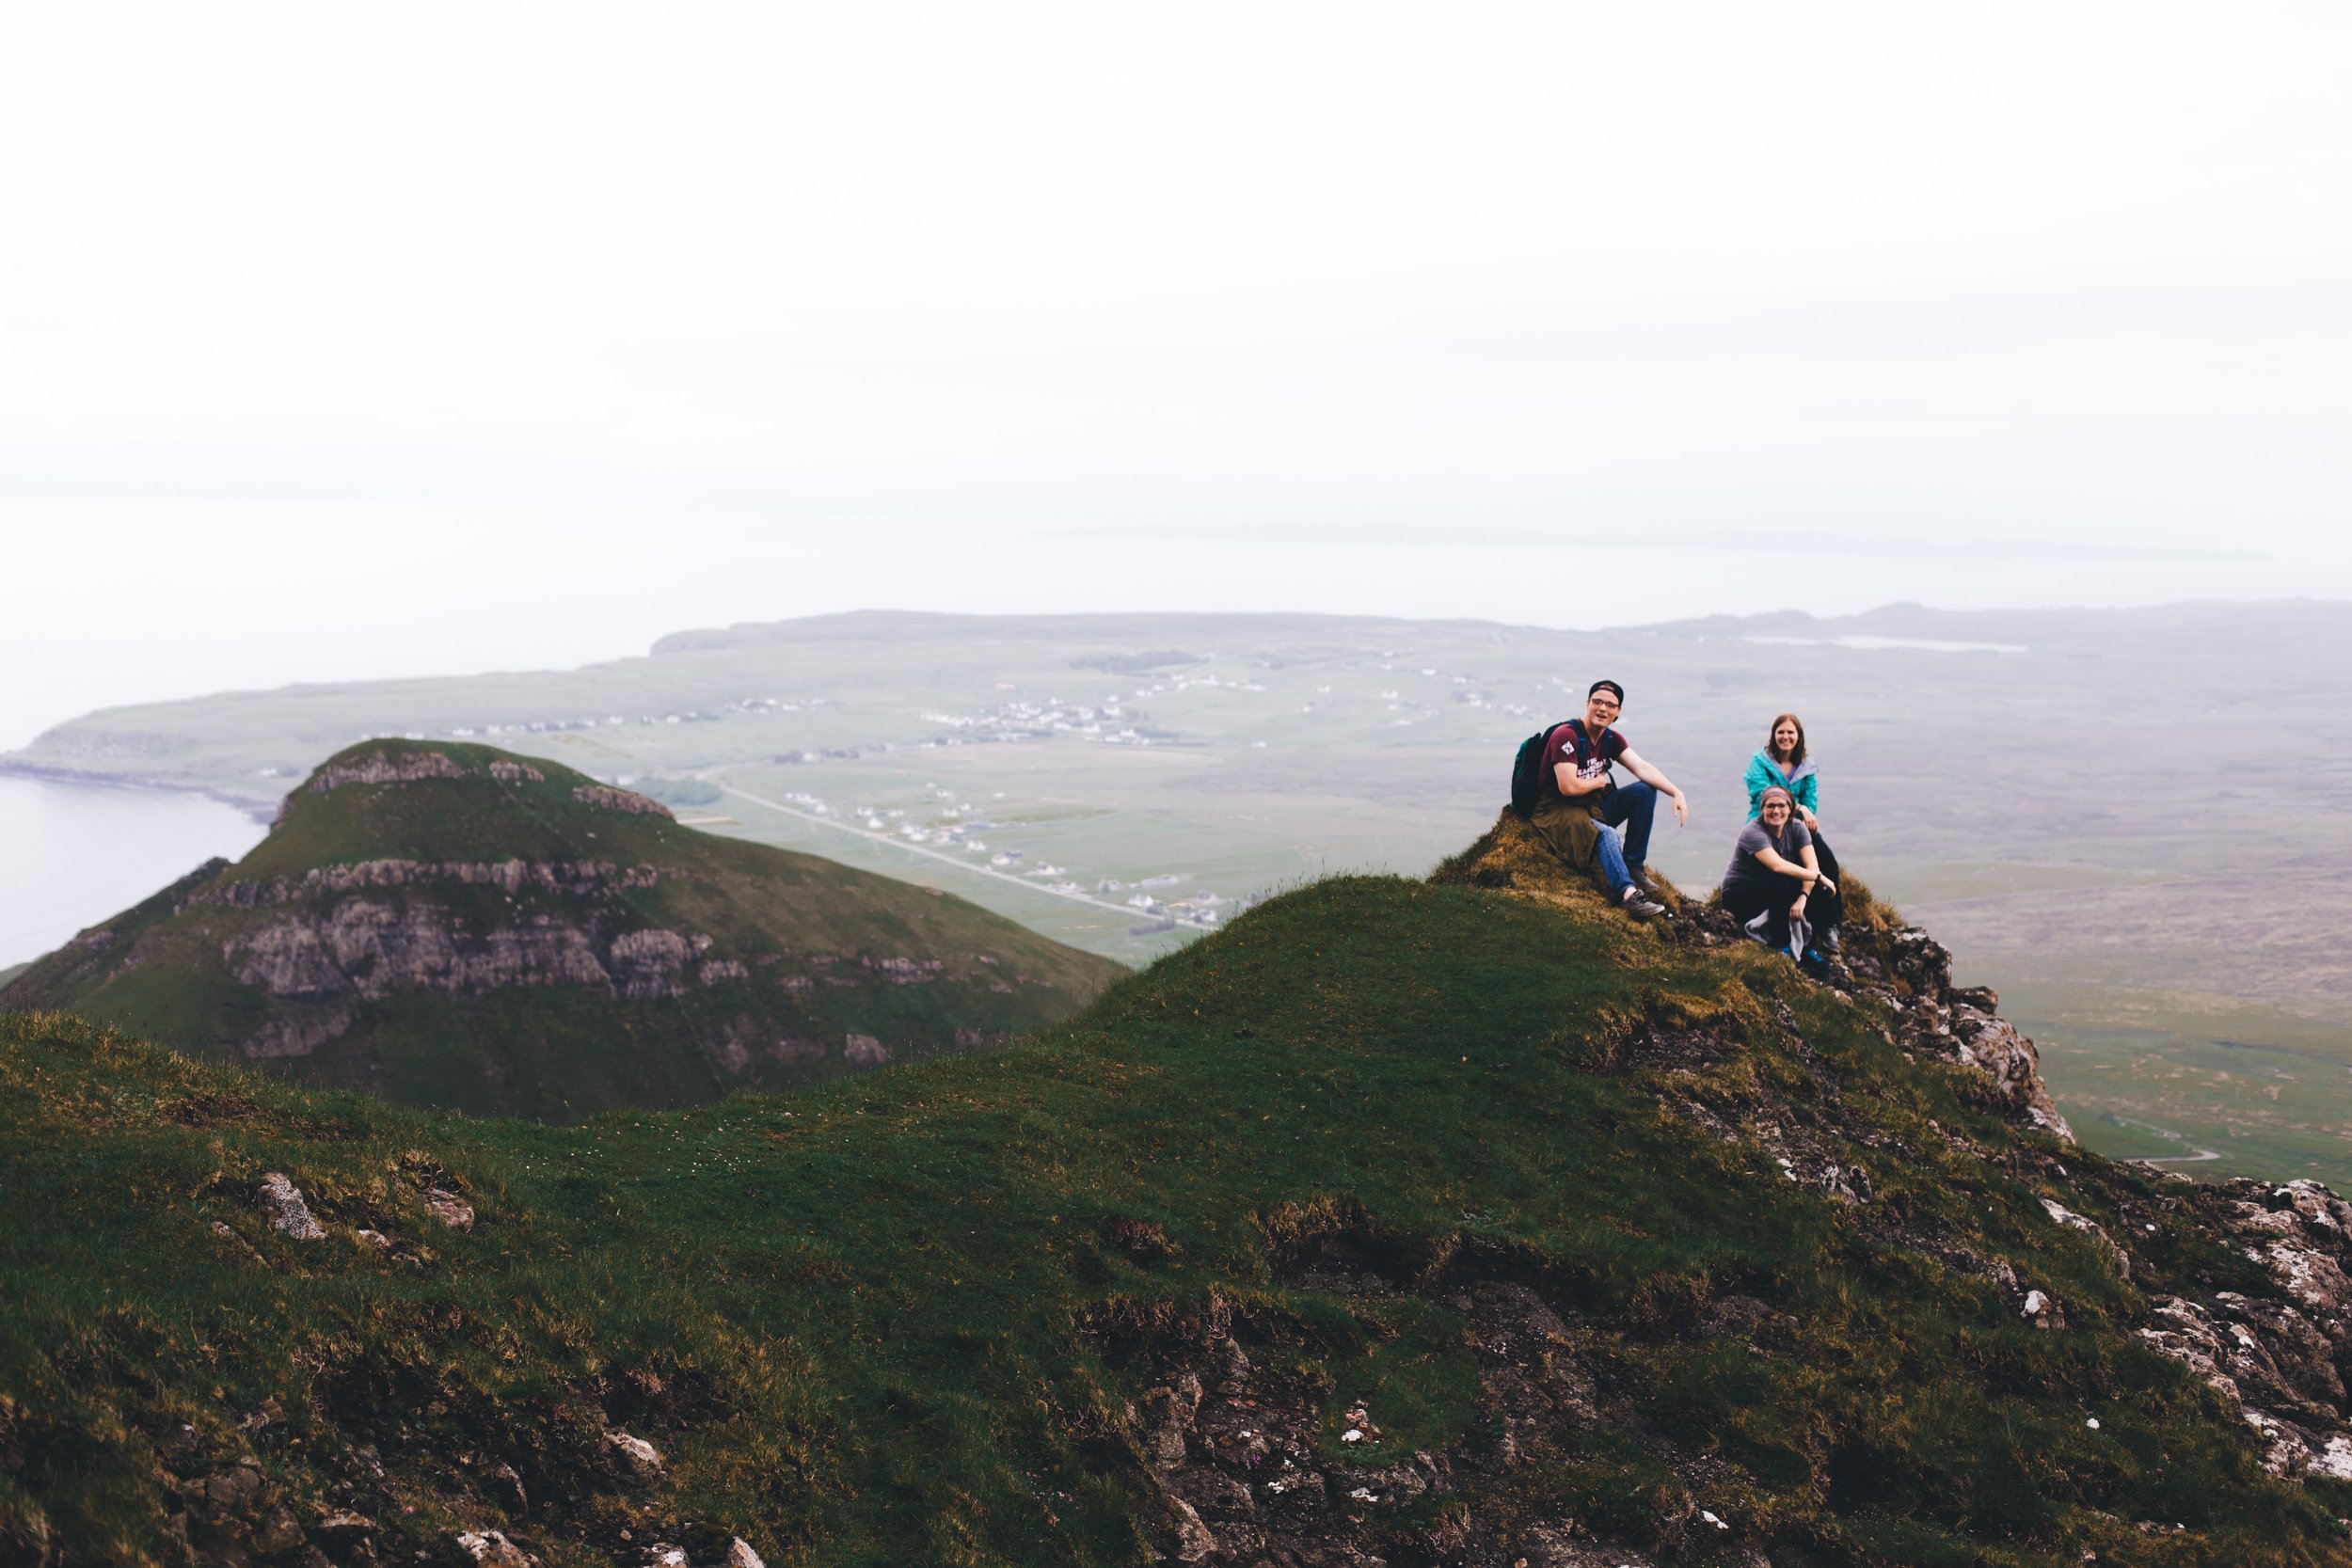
{"x":1530,"y":786}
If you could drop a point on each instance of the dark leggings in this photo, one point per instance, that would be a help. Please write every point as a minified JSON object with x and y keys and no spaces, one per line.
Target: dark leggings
{"x":1823,"y":911}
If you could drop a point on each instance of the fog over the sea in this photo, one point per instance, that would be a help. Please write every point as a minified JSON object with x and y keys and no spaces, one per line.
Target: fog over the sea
{"x":339,"y":343}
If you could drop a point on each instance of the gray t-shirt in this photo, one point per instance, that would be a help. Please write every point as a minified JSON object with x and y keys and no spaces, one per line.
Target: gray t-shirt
{"x":1746,"y":872}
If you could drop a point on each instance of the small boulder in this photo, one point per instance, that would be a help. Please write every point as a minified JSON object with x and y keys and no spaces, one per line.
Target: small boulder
{"x":231,"y":1488}
{"x":2040,"y":1310}
{"x":281,"y":1201}
{"x":342,"y":1528}
{"x":449,"y":1208}
{"x":1192,"y":1542}
{"x":635,"y":1458}
{"x":279,"y":1532}
{"x":741,"y":1556}
{"x":491,"y":1549}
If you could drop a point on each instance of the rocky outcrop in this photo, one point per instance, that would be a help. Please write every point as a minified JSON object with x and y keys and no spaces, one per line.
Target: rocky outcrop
{"x":605,"y":797}
{"x":1240,"y":1452}
{"x":2280,"y":1364}
{"x":322,"y":962}
{"x":376,"y":768}
{"x":1911,"y":973}
{"x":300,"y":1027}
{"x":491,"y":1549}
{"x":650,"y":962}
{"x":904,"y":971}
{"x":569,"y":879}
{"x":448,"y":1208}
{"x":1898,"y":966}
{"x":372,"y":949}
{"x":633,"y":1457}
{"x":289,"y":1215}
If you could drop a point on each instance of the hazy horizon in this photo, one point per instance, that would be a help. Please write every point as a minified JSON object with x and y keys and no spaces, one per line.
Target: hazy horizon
{"x":389,"y":651}
{"x":340,"y":345}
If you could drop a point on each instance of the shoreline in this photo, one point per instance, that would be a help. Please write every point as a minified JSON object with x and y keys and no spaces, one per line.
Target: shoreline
{"x":259,"y":808}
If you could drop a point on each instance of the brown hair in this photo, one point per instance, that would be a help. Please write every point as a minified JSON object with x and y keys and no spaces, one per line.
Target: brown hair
{"x":1794,"y":757}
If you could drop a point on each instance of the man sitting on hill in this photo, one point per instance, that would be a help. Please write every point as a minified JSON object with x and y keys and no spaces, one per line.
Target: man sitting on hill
{"x":1583,"y":809}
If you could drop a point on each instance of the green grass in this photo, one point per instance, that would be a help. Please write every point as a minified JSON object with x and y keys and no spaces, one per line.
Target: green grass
{"x":877,"y":1321}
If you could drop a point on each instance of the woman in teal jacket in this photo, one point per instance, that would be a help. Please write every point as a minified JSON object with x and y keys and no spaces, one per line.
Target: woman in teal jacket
{"x":1784,"y":764}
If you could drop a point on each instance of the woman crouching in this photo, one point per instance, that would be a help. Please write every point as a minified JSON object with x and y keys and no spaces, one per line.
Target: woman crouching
{"x":1785,"y":761}
{"x":1774,"y":887}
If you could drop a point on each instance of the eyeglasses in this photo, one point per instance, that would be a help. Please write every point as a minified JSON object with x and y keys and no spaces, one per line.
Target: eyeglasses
{"x":1609,"y":704}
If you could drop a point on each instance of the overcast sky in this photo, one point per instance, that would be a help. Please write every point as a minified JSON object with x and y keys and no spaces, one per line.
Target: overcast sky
{"x":342,"y":340}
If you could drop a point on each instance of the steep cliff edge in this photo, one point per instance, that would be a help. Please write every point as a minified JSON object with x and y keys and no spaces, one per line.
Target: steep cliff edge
{"x":1449,"y":1223}
{"x":453,"y":927}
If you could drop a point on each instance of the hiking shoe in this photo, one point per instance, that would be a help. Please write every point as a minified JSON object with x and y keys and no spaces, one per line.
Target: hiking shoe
{"x":1643,"y":879}
{"x":1639,"y":907}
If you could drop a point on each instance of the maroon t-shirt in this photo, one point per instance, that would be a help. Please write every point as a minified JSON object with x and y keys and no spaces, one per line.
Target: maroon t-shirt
{"x":1567,"y":744}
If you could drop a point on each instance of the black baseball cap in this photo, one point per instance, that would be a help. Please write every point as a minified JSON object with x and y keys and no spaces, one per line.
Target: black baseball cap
{"x":1607,"y":686}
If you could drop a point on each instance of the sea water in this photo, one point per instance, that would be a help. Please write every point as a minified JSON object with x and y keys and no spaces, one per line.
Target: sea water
{"x":71,"y":855}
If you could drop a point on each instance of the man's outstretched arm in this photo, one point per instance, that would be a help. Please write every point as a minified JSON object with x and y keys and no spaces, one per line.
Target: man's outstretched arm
{"x":1651,"y":776}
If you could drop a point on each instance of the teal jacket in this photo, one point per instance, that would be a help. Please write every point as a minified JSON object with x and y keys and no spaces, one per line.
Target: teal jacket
{"x":1763,"y":772}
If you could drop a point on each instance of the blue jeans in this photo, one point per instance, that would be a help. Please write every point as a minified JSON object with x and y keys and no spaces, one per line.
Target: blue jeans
{"x":1607,"y":850}
{"x":1630,"y":806}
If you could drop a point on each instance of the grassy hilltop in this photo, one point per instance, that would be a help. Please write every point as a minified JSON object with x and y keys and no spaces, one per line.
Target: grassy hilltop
{"x":450,"y":926}
{"x":1604,"y":1250}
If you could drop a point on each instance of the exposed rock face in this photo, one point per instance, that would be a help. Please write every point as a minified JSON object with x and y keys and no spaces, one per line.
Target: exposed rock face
{"x":569,"y":877}
{"x":1236,"y":1450}
{"x":1972,"y":1034}
{"x":2280,"y":1363}
{"x":633,"y":1456}
{"x":372,"y":949}
{"x":377,"y":767}
{"x":650,"y":962}
{"x":289,"y":1215}
{"x":608,"y":799}
{"x":1912,"y":971}
{"x":904,"y":971}
{"x":320,"y":963}
{"x":301,"y":1028}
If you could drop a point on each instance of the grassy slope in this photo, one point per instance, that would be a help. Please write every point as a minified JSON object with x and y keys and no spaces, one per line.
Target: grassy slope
{"x":550,"y":1054}
{"x":860,"y":1303}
